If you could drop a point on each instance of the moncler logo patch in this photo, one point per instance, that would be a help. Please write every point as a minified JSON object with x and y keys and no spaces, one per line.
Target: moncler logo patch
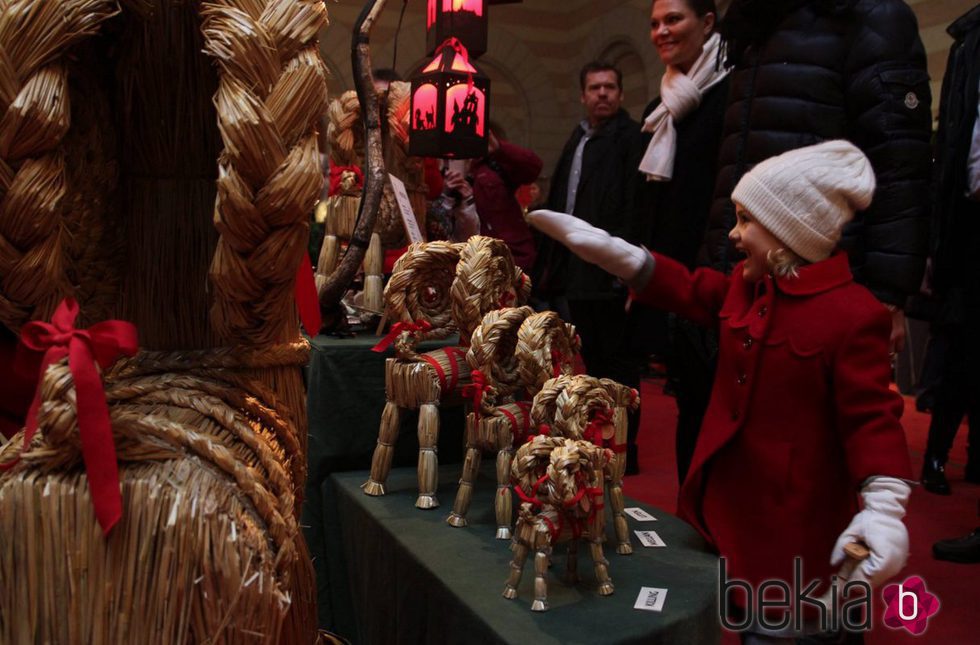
{"x":911,"y":101}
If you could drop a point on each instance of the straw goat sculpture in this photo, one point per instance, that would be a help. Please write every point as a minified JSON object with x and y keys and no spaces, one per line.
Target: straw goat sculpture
{"x":559,"y":481}
{"x":582,"y":407}
{"x":436,"y":288}
{"x":514,"y":352}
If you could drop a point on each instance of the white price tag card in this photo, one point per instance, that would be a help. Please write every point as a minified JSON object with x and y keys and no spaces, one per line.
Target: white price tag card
{"x":649,"y":538}
{"x":405,"y":208}
{"x":639,"y":514}
{"x":651,"y":599}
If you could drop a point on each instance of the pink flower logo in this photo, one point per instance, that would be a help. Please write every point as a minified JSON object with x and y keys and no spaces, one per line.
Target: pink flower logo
{"x":909,"y":605}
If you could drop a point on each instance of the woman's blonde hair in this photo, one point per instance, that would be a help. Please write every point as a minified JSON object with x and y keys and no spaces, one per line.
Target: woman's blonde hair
{"x":783,"y":263}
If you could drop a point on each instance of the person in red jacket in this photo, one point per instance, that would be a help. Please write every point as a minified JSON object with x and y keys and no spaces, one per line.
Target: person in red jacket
{"x":801,"y":417}
{"x":495,"y":179}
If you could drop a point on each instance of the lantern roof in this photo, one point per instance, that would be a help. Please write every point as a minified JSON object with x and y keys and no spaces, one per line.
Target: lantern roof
{"x":451,"y":56}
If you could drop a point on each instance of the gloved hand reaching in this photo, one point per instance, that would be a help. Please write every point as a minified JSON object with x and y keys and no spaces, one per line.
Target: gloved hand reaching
{"x":631,"y":263}
{"x":879,"y":525}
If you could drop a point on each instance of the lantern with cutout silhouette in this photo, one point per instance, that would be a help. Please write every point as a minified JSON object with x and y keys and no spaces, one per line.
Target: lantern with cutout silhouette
{"x":465,"y":20}
{"x":450,"y":106}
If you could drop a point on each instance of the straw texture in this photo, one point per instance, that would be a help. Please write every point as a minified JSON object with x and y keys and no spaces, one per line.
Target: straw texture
{"x":419,"y":290}
{"x":272,"y":89}
{"x":486,"y":279}
{"x":546,"y":348}
{"x":34,"y":117}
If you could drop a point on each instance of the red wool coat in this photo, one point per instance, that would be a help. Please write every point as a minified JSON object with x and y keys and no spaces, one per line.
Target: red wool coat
{"x":495,"y":180}
{"x":800,"y":414}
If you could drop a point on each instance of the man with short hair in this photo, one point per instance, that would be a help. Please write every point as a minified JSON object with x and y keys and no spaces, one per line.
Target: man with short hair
{"x":597,"y":180}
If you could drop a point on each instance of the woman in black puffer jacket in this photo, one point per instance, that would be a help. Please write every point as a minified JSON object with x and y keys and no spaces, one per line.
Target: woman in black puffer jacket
{"x":810,"y":70}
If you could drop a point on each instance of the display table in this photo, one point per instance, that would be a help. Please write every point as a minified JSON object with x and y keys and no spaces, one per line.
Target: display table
{"x":345,"y":384}
{"x":415,"y":579}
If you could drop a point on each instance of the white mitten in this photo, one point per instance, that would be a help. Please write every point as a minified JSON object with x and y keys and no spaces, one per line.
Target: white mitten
{"x":879,"y":525}
{"x":612,"y":254}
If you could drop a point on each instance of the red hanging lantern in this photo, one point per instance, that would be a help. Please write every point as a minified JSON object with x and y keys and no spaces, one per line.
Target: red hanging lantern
{"x":465,"y":20}
{"x":450,"y":107}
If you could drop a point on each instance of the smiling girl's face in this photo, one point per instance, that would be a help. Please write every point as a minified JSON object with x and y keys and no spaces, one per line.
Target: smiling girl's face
{"x":755,"y":241}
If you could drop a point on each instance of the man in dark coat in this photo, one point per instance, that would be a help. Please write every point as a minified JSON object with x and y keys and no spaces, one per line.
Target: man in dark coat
{"x":955,"y":280}
{"x":807,"y":71}
{"x":597,"y":180}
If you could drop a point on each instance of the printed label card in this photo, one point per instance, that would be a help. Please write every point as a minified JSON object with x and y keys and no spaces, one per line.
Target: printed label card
{"x":650,"y":538}
{"x":651,"y":599}
{"x":639,"y":514}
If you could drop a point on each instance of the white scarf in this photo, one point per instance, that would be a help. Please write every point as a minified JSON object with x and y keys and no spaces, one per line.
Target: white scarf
{"x":680,"y":94}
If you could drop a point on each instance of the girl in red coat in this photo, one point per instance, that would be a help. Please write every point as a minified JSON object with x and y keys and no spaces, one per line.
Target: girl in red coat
{"x":801,"y":421}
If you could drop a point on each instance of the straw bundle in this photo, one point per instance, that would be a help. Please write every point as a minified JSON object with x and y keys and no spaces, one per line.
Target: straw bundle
{"x":495,"y":419}
{"x":624,"y":399}
{"x":208,"y":549}
{"x":486,"y":279}
{"x":546,"y":348}
{"x":560,"y":482}
{"x":272,"y":88}
{"x":34,"y":117}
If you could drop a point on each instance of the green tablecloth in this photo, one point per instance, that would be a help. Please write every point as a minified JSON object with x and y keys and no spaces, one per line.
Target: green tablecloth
{"x":415,"y":579}
{"x":345,"y":384}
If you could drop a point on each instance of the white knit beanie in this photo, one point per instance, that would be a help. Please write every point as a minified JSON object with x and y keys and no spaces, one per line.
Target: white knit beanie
{"x":804,"y":197}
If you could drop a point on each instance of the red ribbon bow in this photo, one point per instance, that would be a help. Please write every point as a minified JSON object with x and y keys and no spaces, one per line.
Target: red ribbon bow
{"x":101,"y":343}
{"x":337,"y":176}
{"x":398,"y":329}
{"x":476,"y":390}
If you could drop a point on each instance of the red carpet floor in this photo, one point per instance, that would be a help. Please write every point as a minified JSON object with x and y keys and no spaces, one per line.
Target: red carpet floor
{"x":930,"y":518}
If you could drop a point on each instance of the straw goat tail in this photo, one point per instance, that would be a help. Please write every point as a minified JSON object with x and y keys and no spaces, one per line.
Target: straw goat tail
{"x":272,"y":90}
{"x":34,"y":118}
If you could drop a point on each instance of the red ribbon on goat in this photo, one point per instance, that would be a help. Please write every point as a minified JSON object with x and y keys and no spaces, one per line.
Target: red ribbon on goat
{"x":476,"y":390}
{"x":398,"y":329}
{"x":337,"y":175}
{"x":101,"y":343}
{"x":593,"y":431}
{"x":557,"y":358}
{"x":307,"y":300}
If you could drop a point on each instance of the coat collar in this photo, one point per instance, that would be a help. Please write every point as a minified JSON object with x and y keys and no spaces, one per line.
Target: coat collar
{"x":745,"y":297}
{"x":815,"y":278}
{"x":964,"y":24}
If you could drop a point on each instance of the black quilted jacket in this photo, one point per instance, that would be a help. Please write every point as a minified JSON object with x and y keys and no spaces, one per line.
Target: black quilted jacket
{"x":853,"y":70}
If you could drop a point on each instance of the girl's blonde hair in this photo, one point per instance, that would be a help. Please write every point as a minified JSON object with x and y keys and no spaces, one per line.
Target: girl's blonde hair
{"x":783,"y":263}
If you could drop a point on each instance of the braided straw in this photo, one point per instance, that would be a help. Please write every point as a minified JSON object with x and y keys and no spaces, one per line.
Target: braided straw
{"x":546,"y":347}
{"x":272,"y":89}
{"x":486,"y":279}
{"x":34,"y":117}
{"x":567,"y":404}
{"x":492,"y":352}
{"x":344,"y":131}
{"x":531,"y":462}
{"x":419,"y":290}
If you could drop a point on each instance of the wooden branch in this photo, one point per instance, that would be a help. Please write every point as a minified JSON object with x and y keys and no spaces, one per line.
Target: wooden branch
{"x":375,"y":175}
